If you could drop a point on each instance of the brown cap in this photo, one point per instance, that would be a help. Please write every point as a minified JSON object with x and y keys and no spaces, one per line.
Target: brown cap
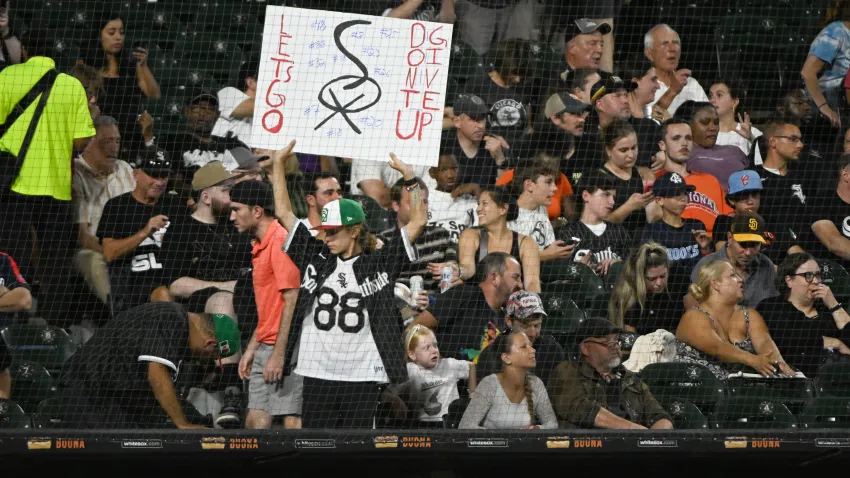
{"x":209,"y":175}
{"x":748,"y":227}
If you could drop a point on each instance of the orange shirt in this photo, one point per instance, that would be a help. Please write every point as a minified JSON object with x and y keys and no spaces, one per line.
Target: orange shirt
{"x":707,"y":201}
{"x":273,"y":273}
{"x":564,"y":189}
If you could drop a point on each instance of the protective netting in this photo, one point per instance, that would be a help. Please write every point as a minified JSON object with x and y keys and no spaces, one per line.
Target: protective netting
{"x":500,"y":214}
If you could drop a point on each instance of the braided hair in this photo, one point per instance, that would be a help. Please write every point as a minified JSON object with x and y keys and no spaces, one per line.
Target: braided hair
{"x":504,"y":342}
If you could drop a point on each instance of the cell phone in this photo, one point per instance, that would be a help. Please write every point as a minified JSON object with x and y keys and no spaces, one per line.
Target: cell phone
{"x":572,"y":241}
{"x":134,"y":47}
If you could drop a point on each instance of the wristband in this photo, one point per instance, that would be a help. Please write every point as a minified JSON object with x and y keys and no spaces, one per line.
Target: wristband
{"x":821,"y":105}
{"x":835,"y":309}
{"x":411,"y":182}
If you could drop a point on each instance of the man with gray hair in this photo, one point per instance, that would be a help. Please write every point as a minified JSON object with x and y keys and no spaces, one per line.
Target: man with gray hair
{"x":98,"y":176}
{"x":663,"y":47}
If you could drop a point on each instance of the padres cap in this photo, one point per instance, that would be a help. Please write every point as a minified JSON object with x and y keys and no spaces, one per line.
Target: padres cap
{"x":341,"y":212}
{"x":748,"y":227}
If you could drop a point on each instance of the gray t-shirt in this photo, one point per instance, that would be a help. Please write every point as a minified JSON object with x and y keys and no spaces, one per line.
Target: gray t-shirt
{"x":719,"y":161}
{"x":491,"y":409}
{"x":758,"y":286}
{"x":535,"y":224}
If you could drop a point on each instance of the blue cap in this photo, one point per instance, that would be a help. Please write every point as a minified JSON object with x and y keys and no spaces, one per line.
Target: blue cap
{"x":746,"y":180}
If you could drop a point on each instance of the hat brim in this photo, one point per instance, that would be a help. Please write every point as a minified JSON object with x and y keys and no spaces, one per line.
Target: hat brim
{"x":749,"y":238}
{"x":156,"y":173}
{"x":324,"y":227}
{"x":536,"y":310}
{"x":674,"y":192}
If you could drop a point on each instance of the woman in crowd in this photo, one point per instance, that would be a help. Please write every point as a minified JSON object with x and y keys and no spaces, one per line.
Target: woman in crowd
{"x":127,"y":78}
{"x":827,"y":64}
{"x":621,"y":152}
{"x":645,"y":297}
{"x":512,"y":398}
{"x":708,"y":156}
{"x":495,"y":209}
{"x":805,"y":319}
{"x":717,"y":331}
{"x":640,"y":72}
{"x":735,"y":129}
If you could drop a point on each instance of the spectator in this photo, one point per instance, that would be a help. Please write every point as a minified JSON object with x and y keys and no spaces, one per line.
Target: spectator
{"x":534,"y":184}
{"x":342,"y":361}
{"x":743,"y":252}
{"x":830,"y":47}
{"x":805,"y":319}
{"x":596,"y":242}
{"x":131,"y":230}
{"x":374,"y":179}
{"x":561,"y":204}
{"x":512,"y":398}
{"x":447,"y":209}
{"x":93,"y":83}
{"x":36,"y":177}
{"x":734,"y":130}
{"x":424,"y":10}
{"x":123,"y":378}
{"x":649,"y":294}
{"x":5,"y":376}
{"x":481,"y":22}
{"x":745,"y":196}
{"x":686,"y":240}
{"x":663,"y":47}
{"x":495,"y":210}
{"x":789,"y":193}
{"x":621,"y":148}
{"x":319,"y":189}
{"x":795,"y":107}
{"x":127,"y":78}
{"x":524,"y":313}
{"x":480,"y":156}
{"x":732,"y":334}
{"x":643,"y":84}
{"x":706,"y":202}
{"x":15,"y":293}
{"x":433,"y":380}
{"x":10,"y":46}
{"x":435,"y":248}
{"x":832,"y":230}
{"x":584,"y":46}
{"x":597,"y":391}
{"x":708,"y":156}
{"x":469,"y":315}
{"x":236,"y":105}
{"x":610,"y":98}
{"x":98,"y":176}
{"x":582,"y":80}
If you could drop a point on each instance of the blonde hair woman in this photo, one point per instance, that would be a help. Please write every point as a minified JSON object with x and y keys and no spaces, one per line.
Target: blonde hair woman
{"x":717,"y":330}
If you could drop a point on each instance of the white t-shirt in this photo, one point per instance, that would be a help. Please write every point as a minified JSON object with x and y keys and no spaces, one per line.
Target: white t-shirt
{"x":535,"y":224}
{"x":453,"y":215}
{"x":363,"y":169}
{"x":228,"y":99}
{"x":691,"y":91}
{"x":336,"y":354}
{"x":734,"y":139}
{"x":434,"y":389}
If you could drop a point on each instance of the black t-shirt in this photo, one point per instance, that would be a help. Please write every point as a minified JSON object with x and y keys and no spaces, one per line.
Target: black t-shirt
{"x":790,"y":203}
{"x":623,"y":191}
{"x":777,"y":241}
{"x":837,"y":211}
{"x":549,"y":354}
{"x":465,"y":321}
{"x":434,"y":244}
{"x":209,"y":252}
{"x":799,"y":338}
{"x":138,"y":272}
{"x":662,"y":310}
{"x":612,"y":244}
{"x":509,"y":113}
{"x":480,"y":169}
{"x":682,"y":248}
{"x":114,"y":362}
{"x":188,"y":154}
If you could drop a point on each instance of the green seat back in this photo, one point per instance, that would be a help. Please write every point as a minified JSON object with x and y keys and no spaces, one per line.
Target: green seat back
{"x":46,"y":345}
{"x":685,"y":381}
{"x":833,"y":380}
{"x":31,"y":384}
{"x":686,"y":415}
{"x":837,"y":278}
{"x":793,"y":392}
{"x":826,"y":412}
{"x":12,"y":415}
{"x":748,"y":413}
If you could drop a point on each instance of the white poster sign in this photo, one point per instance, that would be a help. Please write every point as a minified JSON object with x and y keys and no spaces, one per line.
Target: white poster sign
{"x":353,"y":86}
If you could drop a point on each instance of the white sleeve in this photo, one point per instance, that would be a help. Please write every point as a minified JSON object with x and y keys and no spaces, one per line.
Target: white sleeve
{"x":459,"y":368}
{"x":228,"y":99}
{"x":362,"y":170}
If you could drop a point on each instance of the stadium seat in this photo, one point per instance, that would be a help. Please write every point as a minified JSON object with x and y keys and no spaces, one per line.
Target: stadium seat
{"x":563,"y":316}
{"x":837,"y":278}
{"x":46,"y":345}
{"x":793,"y":392}
{"x":455,"y":414}
{"x":613,"y":273}
{"x":748,"y":413}
{"x":571,"y":279}
{"x":179,"y":76}
{"x":48,"y":414}
{"x":66,"y":50}
{"x":833,"y":380}
{"x":378,"y":219}
{"x":167,"y":111}
{"x":465,"y":64}
{"x":12,"y":415}
{"x":686,"y":415}
{"x":241,"y":26}
{"x":826,"y":412}
{"x":213,"y":54}
{"x":31,"y":384}
{"x":684,"y":381}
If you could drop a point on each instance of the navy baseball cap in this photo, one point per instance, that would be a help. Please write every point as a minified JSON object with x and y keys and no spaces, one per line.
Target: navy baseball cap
{"x":671,"y":185}
{"x":742,"y":181}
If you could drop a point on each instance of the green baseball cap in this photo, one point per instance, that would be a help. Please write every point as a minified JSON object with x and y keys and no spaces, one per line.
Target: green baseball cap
{"x":341,"y":212}
{"x":227,"y":335}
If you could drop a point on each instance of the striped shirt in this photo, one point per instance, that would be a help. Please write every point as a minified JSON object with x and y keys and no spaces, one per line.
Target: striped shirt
{"x":435,"y":244}
{"x":91,"y":191}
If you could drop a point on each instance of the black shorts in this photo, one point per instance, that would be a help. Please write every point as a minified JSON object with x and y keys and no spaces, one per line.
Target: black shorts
{"x":332,"y":404}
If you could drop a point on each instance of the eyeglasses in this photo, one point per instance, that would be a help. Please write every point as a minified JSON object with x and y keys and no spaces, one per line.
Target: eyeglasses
{"x":609,"y":344}
{"x":810,"y":276}
{"x":793,"y":139}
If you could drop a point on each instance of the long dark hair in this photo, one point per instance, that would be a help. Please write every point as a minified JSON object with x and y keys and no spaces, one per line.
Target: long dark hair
{"x":504,"y":345}
{"x":92,"y":51}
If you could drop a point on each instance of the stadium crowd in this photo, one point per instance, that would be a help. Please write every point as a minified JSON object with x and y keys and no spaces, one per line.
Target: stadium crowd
{"x":201,"y":281}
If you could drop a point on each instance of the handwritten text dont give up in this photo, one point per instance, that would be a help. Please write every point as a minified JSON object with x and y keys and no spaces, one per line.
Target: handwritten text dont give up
{"x":425,"y":58}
